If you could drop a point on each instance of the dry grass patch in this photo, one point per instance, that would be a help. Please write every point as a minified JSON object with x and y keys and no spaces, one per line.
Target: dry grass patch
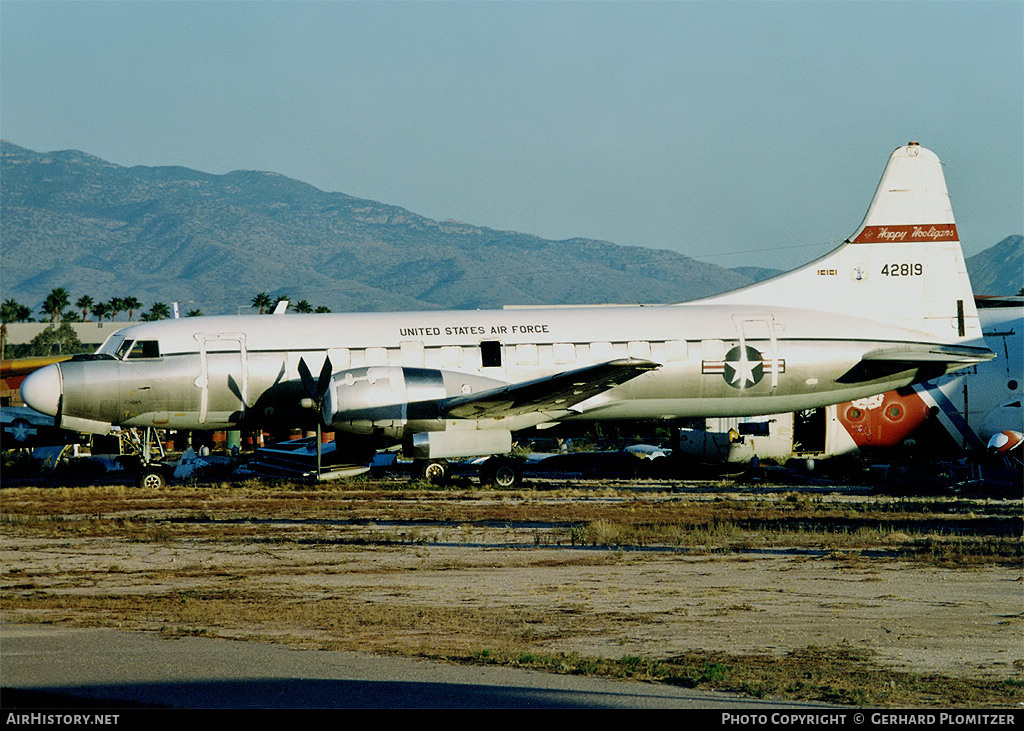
{"x":290,"y":564}
{"x":841,"y":675}
{"x":324,"y":622}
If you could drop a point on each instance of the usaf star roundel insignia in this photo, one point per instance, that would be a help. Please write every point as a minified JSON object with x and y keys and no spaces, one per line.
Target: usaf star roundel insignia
{"x":744,"y":367}
{"x":21,"y":430}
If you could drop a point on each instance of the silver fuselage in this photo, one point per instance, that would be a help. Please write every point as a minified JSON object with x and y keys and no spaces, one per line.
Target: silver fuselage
{"x":212,"y":373}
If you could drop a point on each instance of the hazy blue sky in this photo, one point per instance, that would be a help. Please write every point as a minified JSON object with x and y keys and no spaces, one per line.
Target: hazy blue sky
{"x":736,"y":132}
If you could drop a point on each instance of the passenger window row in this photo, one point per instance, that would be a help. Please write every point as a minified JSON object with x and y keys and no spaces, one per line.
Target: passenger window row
{"x":494,"y":354}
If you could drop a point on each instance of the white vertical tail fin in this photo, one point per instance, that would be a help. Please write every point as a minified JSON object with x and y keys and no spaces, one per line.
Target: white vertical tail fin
{"x":903,"y":266}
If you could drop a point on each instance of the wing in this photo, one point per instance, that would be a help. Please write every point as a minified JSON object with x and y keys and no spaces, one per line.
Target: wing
{"x":558,"y":392}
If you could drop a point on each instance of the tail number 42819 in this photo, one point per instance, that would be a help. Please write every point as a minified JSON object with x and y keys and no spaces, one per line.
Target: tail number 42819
{"x":902,"y":270}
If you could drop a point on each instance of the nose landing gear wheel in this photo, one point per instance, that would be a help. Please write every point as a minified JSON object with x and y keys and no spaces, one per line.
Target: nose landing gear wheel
{"x":151,"y":479}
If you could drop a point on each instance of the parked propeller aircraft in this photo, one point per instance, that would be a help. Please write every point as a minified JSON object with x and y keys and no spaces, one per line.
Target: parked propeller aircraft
{"x":21,"y":427}
{"x":890,"y":307}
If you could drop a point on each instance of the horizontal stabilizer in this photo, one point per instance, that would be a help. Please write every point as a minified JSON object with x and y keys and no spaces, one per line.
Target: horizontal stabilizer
{"x":930,"y":361}
{"x":951,"y":354}
{"x":557,"y":392}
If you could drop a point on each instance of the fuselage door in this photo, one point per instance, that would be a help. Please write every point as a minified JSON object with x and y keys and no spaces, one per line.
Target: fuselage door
{"x":223,"y":380}
{"x":759,"y":349}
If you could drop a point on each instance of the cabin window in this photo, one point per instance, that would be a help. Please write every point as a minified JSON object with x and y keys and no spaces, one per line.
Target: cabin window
{"x":490,"y":354}
{"x":639,"y":349}
{"x":712,"y":349}
{"x":564,"y":353}
{"x":451,"y":355}
{"x":601,"y":352}
{"x":412,"y":353}
{"x":341,"y":358}
{"x":526,"y":354}
{"x":675,"y":350}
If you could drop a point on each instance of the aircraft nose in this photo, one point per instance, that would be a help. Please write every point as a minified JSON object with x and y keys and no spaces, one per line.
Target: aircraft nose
{"x":41,"y":390}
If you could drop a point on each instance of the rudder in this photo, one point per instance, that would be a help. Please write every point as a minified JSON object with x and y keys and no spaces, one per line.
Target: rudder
{"x":903,"y":266}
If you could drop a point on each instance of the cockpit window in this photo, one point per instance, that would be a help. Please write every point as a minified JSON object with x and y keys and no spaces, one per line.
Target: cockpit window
{"x":144,"y":349}
{"x":138,"y":349}
{"x":112,"y":344}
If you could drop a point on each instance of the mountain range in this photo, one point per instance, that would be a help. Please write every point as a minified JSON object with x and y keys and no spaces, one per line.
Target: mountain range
{"x":999,"y":269}
{"x":211,"y":242}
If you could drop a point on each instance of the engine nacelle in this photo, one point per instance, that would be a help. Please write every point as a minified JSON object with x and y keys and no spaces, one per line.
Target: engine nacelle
{"x":379,"y":399}
{"x":458,"y":443}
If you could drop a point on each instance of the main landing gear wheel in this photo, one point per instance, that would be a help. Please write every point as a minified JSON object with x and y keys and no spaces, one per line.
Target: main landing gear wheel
{"x":435,"y":471}
{"x":501,"y":472}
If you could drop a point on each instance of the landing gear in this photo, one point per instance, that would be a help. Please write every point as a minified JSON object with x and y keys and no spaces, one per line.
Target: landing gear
{"x":150,"y":478}
{"x":434,"y":471}
{"x":152,"y":473}
{"x":501,"y":472}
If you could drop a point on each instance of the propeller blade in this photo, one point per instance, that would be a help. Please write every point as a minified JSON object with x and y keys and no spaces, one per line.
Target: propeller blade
{"x":319,"y":451}
{"x":325,"y":378}
{"x":307,"y":378}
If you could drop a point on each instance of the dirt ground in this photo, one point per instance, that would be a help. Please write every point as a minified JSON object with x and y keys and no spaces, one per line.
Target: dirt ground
{"x":960,"y":623}
{"x":597,"y":601}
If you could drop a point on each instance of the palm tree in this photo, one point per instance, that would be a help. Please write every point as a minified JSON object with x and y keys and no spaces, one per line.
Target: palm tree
{"x":55,"y":303}
{"x":131,"y":304}
{"x":100,"y":310}
{"x":303,"y":306}
{"x":14,"y":311}
{"x":263,"y":301}
{"x":194,"y":313}
{"x":322,"y":308}
{"x":115,"y":305}
{"x":157,"y":311}
{"x":84,"y":303}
